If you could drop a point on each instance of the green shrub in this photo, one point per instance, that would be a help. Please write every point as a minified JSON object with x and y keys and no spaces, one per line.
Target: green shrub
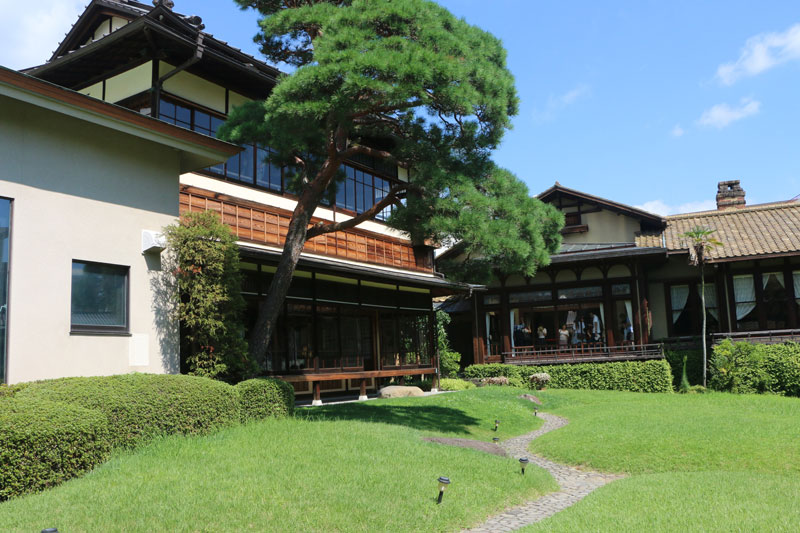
{"x":449,"y":363}
{"x":426,"y":384}
{"x":141,"y":406}
{"x":756,"y":368}
{"x":694,"y":365}
{"x":449,"y":384}
{"x":637,"y":376}
{"x":493,"y":370}
{"x":265,"y":398}
{"x":43,"y":443}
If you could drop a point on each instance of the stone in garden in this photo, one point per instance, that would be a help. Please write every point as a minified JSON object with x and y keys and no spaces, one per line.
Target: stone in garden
{"x":532,"y":398}
{"x":399,"y":391}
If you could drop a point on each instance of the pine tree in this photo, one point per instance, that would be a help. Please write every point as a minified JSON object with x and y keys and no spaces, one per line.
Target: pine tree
{"x":406,"y":83}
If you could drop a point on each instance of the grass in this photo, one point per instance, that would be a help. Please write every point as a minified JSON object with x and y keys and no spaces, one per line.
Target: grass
{"x":647,"y":433}
{"x":340,"y":468}
{"x":467,"y":414}
{"x":713,"y":462}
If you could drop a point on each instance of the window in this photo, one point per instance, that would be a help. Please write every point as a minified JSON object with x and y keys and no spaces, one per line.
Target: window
{"x":255,"y":165}
{"x":5,"y":232}
{"x":530,"y":296}
{"x":744,"y":293}
{"x":776,"y":298}
{"x":572,"y":219}
{"x":580,"y":292}
{"x":99,"y":297}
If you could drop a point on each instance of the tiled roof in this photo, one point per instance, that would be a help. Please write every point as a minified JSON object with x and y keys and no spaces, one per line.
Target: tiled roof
{"x":758,"y":230}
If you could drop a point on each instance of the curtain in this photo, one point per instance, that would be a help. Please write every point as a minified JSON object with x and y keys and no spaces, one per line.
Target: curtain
{"x":602,"y":320}
{"x":777,"y":275}
{"x":744,"y":291}
{"x":679,"y":294}
{"x":796,"y":280}
{"x":629,"y":329}
{"x":711,"y":300}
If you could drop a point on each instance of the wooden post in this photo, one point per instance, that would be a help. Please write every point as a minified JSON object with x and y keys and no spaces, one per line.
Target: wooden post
{"x":316,"y":400}
{"x":362,"y":395}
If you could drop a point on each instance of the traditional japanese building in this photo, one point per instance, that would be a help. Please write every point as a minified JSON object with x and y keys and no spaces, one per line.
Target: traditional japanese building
{"x":360,"y":305}
{"x":623,"y":282}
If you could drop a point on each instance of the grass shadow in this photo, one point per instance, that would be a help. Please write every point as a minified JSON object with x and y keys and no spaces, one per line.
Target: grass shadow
{"x":423,"y":417}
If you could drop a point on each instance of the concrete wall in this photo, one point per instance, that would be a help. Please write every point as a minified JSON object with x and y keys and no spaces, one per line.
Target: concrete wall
{"x":82,"y":192}
{"x":605,"y":226}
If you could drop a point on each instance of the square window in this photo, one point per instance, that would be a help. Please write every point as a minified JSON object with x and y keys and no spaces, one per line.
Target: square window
{"x":99,"y":297}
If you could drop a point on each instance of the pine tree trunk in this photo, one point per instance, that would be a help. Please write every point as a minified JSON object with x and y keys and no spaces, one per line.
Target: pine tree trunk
{"x":270,"y":307}
{"x":703,"y":306}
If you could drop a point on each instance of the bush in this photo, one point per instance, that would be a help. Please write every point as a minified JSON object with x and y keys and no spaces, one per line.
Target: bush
{"x":449,"y":363}
{"x":638,"y":376}
{"x":265,"y":398}
{"x":45,"y":443}
{"x":694,"y":365}
{"x":539,"y":380}
{"x":455,"y":384}
{"x":493,"y":370}
{"x":756,"y":368}
{"x":141,"y":406}
{"x":634,"y":376}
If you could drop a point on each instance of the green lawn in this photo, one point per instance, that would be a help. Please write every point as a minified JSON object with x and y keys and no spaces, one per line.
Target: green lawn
{"x":467,"y":414}
{"x":714,"y":462}
{"x":340,"y":468}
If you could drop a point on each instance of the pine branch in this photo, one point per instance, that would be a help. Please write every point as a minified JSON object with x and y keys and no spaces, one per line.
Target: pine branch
{"x":320,"y":228}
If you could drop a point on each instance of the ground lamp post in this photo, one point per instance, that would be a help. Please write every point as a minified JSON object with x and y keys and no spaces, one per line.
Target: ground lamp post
{"x":495,"y":439}
{"x":535,"y":411}
{"x":523,"y":463}
{"x":496,"y":423}
{"x":443,"y":482}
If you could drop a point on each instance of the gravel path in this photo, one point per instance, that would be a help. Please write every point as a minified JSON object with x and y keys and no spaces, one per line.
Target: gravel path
{"x":575,"y":484}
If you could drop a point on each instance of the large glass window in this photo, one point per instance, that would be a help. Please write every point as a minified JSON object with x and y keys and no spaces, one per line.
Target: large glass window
{"x":5,"y":232}
{"x":99,"y":297}
{"x":744,"y":293}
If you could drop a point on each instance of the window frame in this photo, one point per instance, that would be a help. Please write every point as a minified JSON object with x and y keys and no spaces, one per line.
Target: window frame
{"x":81,"y":329}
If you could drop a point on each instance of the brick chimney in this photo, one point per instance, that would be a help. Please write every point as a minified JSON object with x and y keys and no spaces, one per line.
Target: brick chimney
{"x":730,"y":195}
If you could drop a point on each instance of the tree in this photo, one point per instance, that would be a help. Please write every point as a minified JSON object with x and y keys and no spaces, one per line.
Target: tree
{"x":204,"y":259}
{"x":701,"y":242}
{"x":401,"y":81}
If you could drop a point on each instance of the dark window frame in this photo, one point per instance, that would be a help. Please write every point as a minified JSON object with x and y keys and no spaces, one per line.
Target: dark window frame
{"x":360,"y":202}
{"x":81,"y":329}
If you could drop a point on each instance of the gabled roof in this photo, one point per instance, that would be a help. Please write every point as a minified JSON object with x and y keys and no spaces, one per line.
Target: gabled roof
{"x":155,"y":32}
{"x":196,"y":150}
{"x":559,"y":191}
{"x":750,"y":232}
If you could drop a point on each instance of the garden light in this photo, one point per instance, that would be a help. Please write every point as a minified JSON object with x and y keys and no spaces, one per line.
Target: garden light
{"x":523,"y":463}
{"x":50,"y":530}
{"x":496,"y":423}
{"x":495,"y":439}
{"x":443,"y":482}
{"x":535,"y":411}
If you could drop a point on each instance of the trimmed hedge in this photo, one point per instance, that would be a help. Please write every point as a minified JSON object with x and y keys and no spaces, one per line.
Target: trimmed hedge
{"x":452,"y":384}
{"x":44,"y":443}
{"x":636,"y":376}
{"x":694,"y":365}
{"x":449,"y":363}
{"x":142,"y":406}
{"x":265,"y":398}
{"x":756,"y":368}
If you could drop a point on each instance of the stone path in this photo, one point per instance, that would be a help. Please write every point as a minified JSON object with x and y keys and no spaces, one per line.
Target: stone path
{"x":575,"y":484}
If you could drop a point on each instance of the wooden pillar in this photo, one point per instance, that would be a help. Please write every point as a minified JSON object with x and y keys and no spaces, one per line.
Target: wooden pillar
{"x":788,"y":279}
{"x":316,"y":388}
{"x":362,"y":395}
{"x":477,"y":344}
{"x":505,"y":318}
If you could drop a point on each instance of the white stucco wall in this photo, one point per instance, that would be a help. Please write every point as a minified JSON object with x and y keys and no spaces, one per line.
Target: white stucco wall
{"x":605,"y":226}
{"x":84,"y":192}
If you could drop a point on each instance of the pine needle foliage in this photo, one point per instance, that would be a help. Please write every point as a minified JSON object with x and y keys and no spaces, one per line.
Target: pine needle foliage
{"x":405,"y":83}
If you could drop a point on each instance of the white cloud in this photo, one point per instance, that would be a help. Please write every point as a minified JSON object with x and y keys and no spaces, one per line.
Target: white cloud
{"x":556,"y":103}
{"x":722,"y":115}
{"x":760,"y":53}
{"x":661,"y":208}
{"x":677,"y":131}
{"x":30,"y":31}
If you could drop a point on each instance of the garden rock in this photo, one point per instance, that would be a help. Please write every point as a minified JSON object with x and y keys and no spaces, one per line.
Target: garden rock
{"x":399,"y":391}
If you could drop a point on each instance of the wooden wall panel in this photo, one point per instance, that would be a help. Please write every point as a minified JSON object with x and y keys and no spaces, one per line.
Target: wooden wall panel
{"x":264,"y":224}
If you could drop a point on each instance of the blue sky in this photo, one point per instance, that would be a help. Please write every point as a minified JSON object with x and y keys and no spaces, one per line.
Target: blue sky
{"x":647,"y":103}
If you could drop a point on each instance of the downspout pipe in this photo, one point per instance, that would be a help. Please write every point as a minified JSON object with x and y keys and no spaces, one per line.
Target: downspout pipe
{"x":198,"y":55}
